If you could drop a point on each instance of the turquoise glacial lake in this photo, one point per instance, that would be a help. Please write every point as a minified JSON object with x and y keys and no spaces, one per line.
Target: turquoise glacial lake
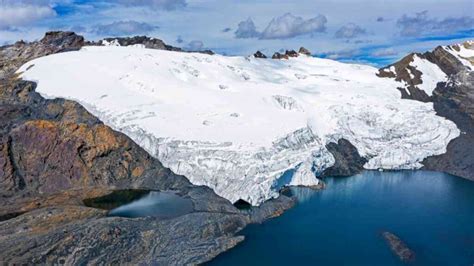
{"x":433,"y":213}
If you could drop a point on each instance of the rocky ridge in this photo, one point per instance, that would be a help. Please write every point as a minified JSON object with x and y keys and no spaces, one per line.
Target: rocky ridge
{"x":452,"y":97}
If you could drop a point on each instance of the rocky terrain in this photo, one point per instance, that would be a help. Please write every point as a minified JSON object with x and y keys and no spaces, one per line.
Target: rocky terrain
{"x":453,"y":98}
{"x":54,"y":155}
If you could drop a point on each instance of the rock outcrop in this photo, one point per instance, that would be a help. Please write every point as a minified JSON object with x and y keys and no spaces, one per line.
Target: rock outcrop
{"x":404,"y":72}
{"x":347,"y":159}
{"x":304,"y":51}
{"x":147,"y":42}
{"x":13,"y":56}
{"x":291,"y":53}
{"x":277,"y":55}
{"x":259,"y":54}
{"x":454,"y":100}
{"x":286,"y":55}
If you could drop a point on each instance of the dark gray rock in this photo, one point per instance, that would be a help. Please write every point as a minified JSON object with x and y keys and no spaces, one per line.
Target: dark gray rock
{"x":259,"y":54}
{"x":304,"y":51}
{"x":13,"y":56}
{"x":270,"y":209}
{"x":455,"y":101}
{"x":348,"y":161}
{"x":398,"y":247}
{"x":277,"y":55}
{"x":291,"y":53}
{"x":75,"y":235}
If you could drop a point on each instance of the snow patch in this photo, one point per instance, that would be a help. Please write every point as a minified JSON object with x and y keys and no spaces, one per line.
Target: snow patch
{"x":431,"y":74}
{"x":463,"y":52}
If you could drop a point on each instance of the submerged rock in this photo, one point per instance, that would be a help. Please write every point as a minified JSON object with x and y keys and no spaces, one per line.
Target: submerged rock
{"x":398,"y":247}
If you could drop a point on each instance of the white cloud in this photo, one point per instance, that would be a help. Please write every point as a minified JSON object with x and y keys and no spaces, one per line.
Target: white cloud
{"x":350,"y":31}
{"x":385,"y":52}
{"x":18,"y":14}
{"x":288,"y":26}
{"x":420,"y":24}
{"x":158,"y":4}
{"x":123,"y":28}
{"x":342,"y":54}
{"x":246,"y":29}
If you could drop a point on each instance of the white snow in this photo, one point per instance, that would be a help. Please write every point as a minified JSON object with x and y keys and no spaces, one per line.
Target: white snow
{"x":242,"y":125}
{"x":463,"y":52}
{"x":431,"y":74}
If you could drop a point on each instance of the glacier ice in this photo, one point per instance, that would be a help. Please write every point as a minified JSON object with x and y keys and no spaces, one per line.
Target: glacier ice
{"x":245,"y":126}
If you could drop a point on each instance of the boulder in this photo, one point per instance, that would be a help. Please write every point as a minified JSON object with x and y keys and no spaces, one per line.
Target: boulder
{"x":304,"y":51}
{"x":291,"y":53}
{"x":277,"y":55}
{"x":259,"y":54}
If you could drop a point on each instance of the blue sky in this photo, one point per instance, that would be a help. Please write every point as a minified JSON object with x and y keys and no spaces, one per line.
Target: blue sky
{"x":369,"y":31}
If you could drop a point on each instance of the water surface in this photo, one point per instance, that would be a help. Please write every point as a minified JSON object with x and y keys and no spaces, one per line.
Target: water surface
{"x":162,"y":205}
{"x":433,"y":213}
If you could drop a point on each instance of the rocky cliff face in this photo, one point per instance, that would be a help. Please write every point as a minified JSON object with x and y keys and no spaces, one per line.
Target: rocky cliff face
{"x":54,"y":155}
{"x":13,"y":56}
{"x":452,"y":97}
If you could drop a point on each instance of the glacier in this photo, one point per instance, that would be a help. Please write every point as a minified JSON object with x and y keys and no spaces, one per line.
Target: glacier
{"x":243,"y":126}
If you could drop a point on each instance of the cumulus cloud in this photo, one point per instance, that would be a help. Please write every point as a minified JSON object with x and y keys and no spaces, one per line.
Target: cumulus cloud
{"x":23,"y":13}
{"x":421,"y":24}
{"x":384,"y":52}
{"x":123,"y":28}
{"x":350,"y":31}
{"x":282,"y":27}
{"x":156,"y":4}
{"x":246,"y":29}
{"x":288,"y":26}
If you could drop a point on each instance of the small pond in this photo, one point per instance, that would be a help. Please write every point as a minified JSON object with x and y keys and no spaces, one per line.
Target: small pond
{"x":142,"y":203}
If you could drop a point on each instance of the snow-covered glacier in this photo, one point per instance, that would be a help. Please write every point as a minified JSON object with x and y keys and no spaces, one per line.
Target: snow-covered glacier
{"x":245,"y":126}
